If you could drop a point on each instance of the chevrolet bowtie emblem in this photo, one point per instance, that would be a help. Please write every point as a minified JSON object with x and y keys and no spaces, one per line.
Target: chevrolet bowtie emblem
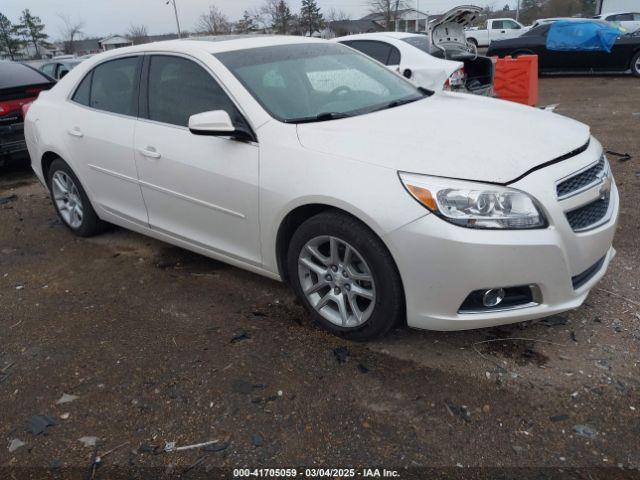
{"x":605,"y":187}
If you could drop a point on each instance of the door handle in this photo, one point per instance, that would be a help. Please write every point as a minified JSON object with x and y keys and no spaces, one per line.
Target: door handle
{"x":150,"y":152}
{"x":75,"y":132}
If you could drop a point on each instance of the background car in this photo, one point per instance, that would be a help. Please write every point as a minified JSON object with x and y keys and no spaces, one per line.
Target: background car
{"x":19,"y":85}
{"x":624,"y":56}
{"x":399,"y":52}
{"x":447,"y":39}
{"x":628,"y":21}
{"x":494,"y":29}
{"x":409,"y":54}
{"x":58,"y":69}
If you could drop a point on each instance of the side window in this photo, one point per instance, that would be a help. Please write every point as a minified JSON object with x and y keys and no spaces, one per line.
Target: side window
{"x":84,"y":89}
{"x":636,"y":17}
{"x":379,"y":51}
{"x":511,"y":25}
{"x":394,"y":56}
{"x":114,"y":86}
{"x":179,"y":88}
{"x":49,"y":69}
{"x":497,"y":25}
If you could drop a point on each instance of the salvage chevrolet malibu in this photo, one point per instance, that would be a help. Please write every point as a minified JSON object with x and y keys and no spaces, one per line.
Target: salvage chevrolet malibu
{"x":308,"y":162}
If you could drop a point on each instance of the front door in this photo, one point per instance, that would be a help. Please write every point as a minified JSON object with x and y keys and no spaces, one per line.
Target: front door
{"x":199,"y":189}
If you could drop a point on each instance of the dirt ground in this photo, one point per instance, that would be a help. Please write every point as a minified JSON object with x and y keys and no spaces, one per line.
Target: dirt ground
{"x":157,"y":345}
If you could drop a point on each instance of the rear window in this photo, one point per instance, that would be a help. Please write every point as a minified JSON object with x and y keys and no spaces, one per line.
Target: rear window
{"x":422,"y":42}
{"x":13,"y":74}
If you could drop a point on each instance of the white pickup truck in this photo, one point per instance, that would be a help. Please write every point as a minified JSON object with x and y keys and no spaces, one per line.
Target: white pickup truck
{"x":494,"y":29}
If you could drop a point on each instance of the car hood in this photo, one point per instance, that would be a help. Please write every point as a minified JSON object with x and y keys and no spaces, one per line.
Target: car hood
{"x":451,"y":135}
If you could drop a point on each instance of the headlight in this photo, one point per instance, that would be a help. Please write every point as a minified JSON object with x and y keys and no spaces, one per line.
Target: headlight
{"x":474,"y":205}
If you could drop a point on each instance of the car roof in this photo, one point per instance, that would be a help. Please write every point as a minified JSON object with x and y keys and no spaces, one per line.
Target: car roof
{"x":616,"y":13}
{"x":213,"y":44}
{"x":364,"y":36}
{"x":14,"y":74}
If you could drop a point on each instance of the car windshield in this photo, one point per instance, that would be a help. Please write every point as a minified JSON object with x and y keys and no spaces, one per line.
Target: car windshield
{"x":317,"y":81}
{"x":419,"y":41}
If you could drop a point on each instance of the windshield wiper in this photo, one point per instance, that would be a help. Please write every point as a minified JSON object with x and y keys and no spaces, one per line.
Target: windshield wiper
{"x":397,"y":103}
{"x":321,"y":117}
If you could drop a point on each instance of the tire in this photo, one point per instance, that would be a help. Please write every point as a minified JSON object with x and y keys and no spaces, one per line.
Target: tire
{"x":473,"y":42}
{"x":635,"y":64}
{"x":66,"y":191}
{"x":367,"y":283}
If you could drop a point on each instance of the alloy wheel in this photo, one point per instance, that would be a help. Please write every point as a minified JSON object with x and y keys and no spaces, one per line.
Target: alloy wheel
{"x":337,"y":281}
{"x":637,"y":65}
{"x":67,"y":199}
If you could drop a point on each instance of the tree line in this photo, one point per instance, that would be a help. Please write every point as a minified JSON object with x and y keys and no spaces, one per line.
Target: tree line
{"x":28,"y":31}
{"x":274,"y":15}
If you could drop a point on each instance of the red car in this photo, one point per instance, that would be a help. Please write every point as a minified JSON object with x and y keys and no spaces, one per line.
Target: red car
{"x":19,"y":85}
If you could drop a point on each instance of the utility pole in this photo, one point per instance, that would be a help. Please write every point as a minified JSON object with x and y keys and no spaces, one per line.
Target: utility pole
{"x":517,"y":10}
{"x":175,"y":10}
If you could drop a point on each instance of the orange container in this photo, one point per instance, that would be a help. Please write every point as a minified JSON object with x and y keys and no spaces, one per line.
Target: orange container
{"x":516,"y":79}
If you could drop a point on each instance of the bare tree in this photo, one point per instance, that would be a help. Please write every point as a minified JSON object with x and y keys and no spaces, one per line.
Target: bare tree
{"x":138,"y":34}
{"x":214,"y":22}
{"x":334,"y":15}
{"x":70,"y":30}
{"x":388,"y":9}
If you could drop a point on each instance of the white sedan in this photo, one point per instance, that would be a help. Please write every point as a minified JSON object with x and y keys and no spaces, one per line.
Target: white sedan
{"x":306,"y":161}
{"x":411,"y":55}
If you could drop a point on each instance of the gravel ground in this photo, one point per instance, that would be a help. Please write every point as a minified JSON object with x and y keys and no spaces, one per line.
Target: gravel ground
{"x":155,"y":344}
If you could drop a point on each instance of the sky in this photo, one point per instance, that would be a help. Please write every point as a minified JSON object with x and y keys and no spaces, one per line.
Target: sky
{"x":103,"y":17}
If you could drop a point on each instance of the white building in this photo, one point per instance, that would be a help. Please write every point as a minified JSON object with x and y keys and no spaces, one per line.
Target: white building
{"x":114,"y":41}
{"x":407,"y":20}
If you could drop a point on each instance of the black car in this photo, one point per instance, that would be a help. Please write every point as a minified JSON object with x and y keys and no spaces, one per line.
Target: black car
{"x":624,"y":56}
{"x":19,"y":85}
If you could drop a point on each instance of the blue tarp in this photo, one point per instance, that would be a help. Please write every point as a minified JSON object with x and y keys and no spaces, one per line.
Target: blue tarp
{"x":582,"y":35}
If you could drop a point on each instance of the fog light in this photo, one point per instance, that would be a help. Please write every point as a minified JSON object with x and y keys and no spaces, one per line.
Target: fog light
{"x":493,"y":297}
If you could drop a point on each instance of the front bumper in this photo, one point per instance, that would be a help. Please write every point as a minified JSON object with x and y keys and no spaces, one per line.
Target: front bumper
{"x":441,"y":263}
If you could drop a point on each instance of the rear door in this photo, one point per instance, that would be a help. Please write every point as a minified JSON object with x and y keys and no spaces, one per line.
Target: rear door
{"x":99,"y":126}
{"x":199,"y":189}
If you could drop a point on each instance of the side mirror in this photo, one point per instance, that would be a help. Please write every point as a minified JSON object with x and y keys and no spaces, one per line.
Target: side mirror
{"x":217,"y":123}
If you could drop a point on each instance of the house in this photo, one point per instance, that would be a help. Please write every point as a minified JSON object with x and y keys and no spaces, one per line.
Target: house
{"x":340,"y":28}
{"x":114,"y":41}
{"x":406,"y":20}
{"x":615,"y":6}
{"x":86,"y":47}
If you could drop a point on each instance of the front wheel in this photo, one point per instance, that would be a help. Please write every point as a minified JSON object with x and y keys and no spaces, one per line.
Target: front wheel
{"x":345,"y":277}
{"x":635,"y":65}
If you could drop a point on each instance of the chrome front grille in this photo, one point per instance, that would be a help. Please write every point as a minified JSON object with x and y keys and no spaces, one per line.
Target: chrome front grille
{"x":586,"y":196}
{"x":582,"y":181}
{"x":589,"y":215}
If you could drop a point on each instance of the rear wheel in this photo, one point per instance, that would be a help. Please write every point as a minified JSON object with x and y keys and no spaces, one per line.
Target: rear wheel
{"x":71,"y":201}
{"x":635,"y":64}
{"x":473,"y":42}
{"x":345,"y":277}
